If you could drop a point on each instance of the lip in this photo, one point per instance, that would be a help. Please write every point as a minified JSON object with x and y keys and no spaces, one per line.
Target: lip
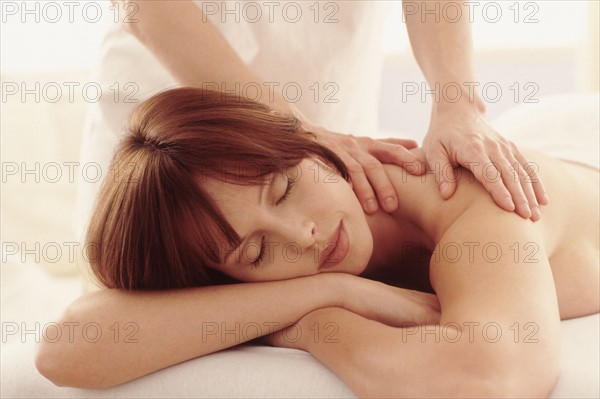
{"x":334,"y":254}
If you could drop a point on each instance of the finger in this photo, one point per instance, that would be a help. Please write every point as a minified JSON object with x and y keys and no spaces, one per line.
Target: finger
{"x":531,"y":179}
{"x":378,"y":179}
{"x":390,"y":153}
{"x":444,"y":173}
{"x":515,"y":179}
{"x":528,"y":189}
{"x":360,"y":183}
{"x":532,"y":168}
{"x":490,"y":176}
{"x":406,"y":143}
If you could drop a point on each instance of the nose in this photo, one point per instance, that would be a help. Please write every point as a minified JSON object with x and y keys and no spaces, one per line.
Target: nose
{"x":298,"y":230}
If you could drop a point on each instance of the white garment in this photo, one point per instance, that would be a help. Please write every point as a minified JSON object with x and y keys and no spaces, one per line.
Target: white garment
{"x":326,"y":57}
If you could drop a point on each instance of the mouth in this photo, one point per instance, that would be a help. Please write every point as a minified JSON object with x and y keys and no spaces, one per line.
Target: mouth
{"x":336,"y":248}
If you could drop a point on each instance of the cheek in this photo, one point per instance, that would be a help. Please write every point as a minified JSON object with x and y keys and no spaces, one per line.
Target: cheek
{"x":348,"y":198}
{"x":361,"y":237}
{"x":362,"y":245}
{"x":333,"y":189}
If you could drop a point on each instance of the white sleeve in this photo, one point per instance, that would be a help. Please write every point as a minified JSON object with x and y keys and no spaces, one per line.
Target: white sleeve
{"x":233,"y":18}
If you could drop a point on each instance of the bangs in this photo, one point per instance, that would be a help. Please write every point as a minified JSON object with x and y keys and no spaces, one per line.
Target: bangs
{"x":163,"y":230}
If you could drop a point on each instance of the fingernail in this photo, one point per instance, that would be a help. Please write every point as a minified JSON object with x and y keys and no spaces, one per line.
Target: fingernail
{"x":370,"y":206}
{"x":535,"y":213}
{"x":545,"y":199}
{"x":509,"y":203}
{"x":526,"y":210}
{"x":445,"y":189}
{"x":390,"y":203}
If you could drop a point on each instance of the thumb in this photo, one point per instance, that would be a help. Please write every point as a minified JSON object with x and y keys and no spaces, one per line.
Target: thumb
{"x":444,"y":172}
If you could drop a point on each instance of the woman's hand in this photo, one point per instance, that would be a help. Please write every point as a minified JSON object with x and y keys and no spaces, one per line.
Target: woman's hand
{"x":396,"y":307}
{"x":461,"y":136}
{"x":390,"y":305}
{"x":373,"y":300}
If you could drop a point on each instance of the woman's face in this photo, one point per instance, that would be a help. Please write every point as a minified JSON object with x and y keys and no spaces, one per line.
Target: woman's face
{"x":305,"y":220}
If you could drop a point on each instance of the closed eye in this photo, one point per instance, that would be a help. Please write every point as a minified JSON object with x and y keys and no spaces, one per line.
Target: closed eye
{"x":261,"y":255}
{"x":288,"y":190}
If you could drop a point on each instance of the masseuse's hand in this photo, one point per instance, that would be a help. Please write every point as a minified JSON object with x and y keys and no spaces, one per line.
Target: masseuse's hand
{"x":363,"y":156}
{"x":458,"y":136}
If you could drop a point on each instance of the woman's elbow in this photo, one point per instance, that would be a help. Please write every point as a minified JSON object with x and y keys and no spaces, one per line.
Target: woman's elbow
{"x":514,"y":379}
{"x":539,"y":386}
{"x":50,"y":363}
{"x":64,"y":361}
{"x":495,"y":375}
{"x":51,"y":357}
{"x":63,"y":371}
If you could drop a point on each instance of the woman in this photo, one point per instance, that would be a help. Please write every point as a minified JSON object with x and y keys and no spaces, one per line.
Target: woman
{"x":209,"y":188}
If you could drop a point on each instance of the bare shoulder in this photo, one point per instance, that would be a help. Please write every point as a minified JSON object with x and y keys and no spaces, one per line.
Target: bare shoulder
{"x":485,"y":274}
{"x":565,"y":239}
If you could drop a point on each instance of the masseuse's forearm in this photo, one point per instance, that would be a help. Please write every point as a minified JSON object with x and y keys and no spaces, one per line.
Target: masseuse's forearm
{"x":443,"y":49}
{"x":111,"y":337}
{"x":191,"y":47}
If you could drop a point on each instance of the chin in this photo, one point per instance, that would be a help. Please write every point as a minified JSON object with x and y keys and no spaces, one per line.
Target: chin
{"x":357,"y":270}
{"x":363,"y":248}
{"x":360,"y":254}
{"x":356,"y":261}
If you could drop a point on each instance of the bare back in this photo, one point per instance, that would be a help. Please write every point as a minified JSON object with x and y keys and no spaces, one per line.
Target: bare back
{"x":570,"y":224}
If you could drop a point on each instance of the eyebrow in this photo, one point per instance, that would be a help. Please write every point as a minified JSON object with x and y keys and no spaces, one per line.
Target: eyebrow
{"x":261,"y":193}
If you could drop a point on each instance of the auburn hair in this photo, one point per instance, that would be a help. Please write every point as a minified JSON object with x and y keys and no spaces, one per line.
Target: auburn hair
{"x":153,"y":225}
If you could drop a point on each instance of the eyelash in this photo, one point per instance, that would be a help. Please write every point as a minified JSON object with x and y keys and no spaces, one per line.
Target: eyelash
{"x":288,"y":190}
{"x":261,"y":254}
{"x":286,"y":194}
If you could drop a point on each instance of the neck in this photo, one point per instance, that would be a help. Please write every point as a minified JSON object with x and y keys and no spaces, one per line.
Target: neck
{"x":393,"y":237}
{"x":417,"y":223}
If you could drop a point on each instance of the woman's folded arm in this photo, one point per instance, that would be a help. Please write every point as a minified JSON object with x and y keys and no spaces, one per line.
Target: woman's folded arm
{"x":377,"y":360}
{"x":117,"y":336}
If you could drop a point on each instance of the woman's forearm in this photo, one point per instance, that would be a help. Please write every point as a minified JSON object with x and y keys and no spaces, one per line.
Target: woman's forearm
{"x":111,"y":337}
{"x":421,"y":360}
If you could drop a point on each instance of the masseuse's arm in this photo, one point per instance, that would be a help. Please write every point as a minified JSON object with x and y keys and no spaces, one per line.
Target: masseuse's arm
{"x":193,"y":50}
{"x":499,"y":334}
{"x":458,"y":132}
